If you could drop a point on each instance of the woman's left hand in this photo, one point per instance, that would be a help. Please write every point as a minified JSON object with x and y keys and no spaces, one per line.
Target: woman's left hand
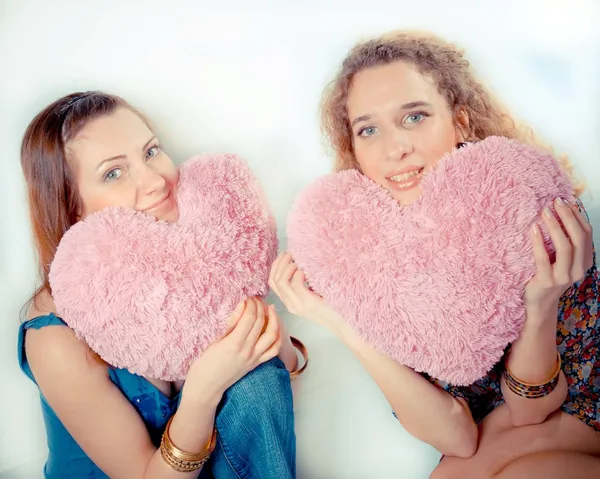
{"x":574,"y":256}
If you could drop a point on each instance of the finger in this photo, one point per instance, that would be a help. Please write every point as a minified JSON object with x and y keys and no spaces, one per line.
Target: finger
{"x":578,"y":237}
{"x":298,"y":283}
{"x":585,"y":224}
{"x":562,"y":245}
{"x":540,"y":254}
{"x":282,"y":262}
{"x":259,"y":325}
{"x":271,"y":333}
{"x":303,"y":291}
{"x":275,"y":347}
{"x":289,"y":297}
{"x":288,"y":271}
{"x":272,"y":351}
{"x":284,"y":287}
{"x":272,"y":284}
{"x":572,"y":226}
{"x":285,"y":260}
{"x":236,"y":315}
{"x":274,"y":268}
{"x":246,"y":322}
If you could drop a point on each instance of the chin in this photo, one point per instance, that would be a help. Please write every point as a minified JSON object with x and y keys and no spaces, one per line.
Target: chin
{"x":172,"y":215}
{"x":407,"y":198}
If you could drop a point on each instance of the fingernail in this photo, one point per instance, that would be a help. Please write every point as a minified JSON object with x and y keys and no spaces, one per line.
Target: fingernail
{"x":560,"y":202}
{"x":535,"y":229}
{"x":547,"y":212}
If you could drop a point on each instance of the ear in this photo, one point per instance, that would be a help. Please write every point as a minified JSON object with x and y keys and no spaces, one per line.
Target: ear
{"x":461,"y":124}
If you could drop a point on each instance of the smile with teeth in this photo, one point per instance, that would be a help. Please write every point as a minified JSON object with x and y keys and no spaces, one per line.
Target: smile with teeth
{"x":406,"y":177}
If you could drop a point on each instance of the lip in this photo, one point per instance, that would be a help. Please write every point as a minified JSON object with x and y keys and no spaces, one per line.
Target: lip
{"x":405,"y":170}
{"x":158,"y":204}
{"x":408,"y":184}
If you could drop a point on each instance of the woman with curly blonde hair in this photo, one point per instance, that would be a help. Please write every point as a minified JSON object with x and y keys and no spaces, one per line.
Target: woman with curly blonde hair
{"x":396,"y":106}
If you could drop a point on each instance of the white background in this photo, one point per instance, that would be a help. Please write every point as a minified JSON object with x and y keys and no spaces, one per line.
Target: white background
{"x":246,"y":77}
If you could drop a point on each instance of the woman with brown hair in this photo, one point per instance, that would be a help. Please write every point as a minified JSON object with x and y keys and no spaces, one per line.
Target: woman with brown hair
{"x":396,"y":106}
{"x":81,"y":154}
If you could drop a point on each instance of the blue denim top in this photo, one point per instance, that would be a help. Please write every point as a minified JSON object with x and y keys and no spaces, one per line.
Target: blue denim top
{"x":66,"y":459}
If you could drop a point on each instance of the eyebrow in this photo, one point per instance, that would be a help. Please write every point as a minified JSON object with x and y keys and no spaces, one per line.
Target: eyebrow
{"x":406,"y":106}
{"x":121,"y":157}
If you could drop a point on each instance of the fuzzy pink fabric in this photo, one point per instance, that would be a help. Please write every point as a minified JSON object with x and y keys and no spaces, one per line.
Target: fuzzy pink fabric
{"x":151,"y":296}
{"x":437,"y":285}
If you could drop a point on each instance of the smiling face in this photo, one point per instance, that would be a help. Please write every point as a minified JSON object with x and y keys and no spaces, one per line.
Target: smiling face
{"x":401,"y":127}
{"x":118,"y":162}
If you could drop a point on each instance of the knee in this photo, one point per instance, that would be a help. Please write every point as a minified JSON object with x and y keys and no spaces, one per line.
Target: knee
{"x":458,"y":468}
{"x":467,"y":448}
{"x":527,"y":418}
{"x":263,"y":392}
{"x":255,"y":421}
{"x":444,"y":470}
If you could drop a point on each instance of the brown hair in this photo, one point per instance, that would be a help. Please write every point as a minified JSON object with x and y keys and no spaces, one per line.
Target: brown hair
{"x":54,"y":202}
{"x":456,"y":82}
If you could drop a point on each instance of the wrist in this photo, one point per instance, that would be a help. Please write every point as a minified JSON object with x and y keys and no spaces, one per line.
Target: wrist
{"x":542,"y":311}
{"x":191,"y":429}
{"x":345,"y":333}
{"x":209,"y":397}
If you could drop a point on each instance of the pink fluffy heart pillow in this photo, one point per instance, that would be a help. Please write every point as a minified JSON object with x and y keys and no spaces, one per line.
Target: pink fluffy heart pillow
{"x":437,"y":285}
{"x":151,"y":296}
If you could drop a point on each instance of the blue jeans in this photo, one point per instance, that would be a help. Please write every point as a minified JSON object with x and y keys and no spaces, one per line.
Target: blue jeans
{"x":255,"y":426}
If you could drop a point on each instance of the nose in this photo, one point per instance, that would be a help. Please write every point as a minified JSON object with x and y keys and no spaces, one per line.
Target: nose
{"x":149,"y":181}
{"x":397,"y":144}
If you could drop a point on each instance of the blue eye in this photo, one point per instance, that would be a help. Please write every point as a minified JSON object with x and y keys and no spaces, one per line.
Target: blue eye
{"x":416,"y":117}
{"x":152,"y":152}
{"x":113,"y":174}
{"x":367,"y":131}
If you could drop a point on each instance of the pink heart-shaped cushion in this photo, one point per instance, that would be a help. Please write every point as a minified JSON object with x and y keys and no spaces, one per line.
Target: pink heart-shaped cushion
{"x":437,"y":285}
{"x":151,"y":296}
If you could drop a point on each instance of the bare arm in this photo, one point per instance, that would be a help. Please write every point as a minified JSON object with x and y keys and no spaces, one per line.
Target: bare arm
{"x":532,"y":358}
{"x":100,"y":418}
{"x":106,"y":425}
{"x":426,"y":411}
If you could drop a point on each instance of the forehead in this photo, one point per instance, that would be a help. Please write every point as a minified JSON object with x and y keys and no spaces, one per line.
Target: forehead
{"x":117,"y":133}
{"x":390,"y":85}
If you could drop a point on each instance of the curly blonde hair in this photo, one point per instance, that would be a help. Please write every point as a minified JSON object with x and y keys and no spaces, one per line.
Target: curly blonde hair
{"x":456,"y":82}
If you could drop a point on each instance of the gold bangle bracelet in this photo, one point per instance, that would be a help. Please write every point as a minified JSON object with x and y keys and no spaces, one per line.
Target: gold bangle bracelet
{"x":303,"y":351}
{"x":183,"y":461}
{"x":178,"y":465}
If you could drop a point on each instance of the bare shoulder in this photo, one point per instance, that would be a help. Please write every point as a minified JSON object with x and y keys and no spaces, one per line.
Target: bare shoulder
{"x":79,"y":390}
{"x":54,"y":351}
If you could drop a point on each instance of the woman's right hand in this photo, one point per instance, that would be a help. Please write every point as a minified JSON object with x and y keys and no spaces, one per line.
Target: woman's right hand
{"x":426,"y":411}
{"x":289,"y":284}
{"x":253,"y":338}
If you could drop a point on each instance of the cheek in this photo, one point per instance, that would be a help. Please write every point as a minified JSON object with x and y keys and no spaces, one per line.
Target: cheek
{"x":369,"y":161}
{"x":168,"y":170}
{"x":97,"y":198}
{"x":97,"y":195}
{"x":433,"y":151}
{"x":172,"y":177}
